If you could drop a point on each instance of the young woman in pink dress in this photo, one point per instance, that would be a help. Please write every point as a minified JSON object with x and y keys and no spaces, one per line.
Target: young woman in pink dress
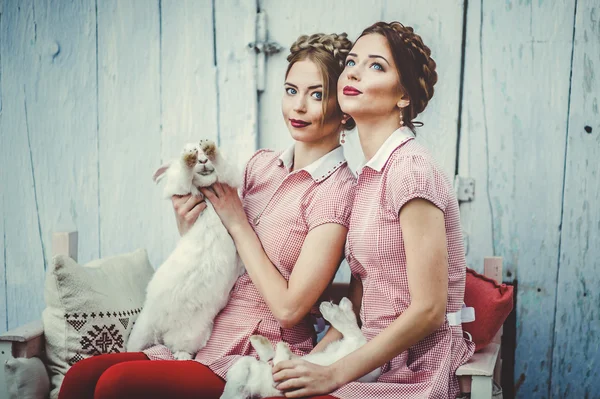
{"x":289,"y":226}
{"x":404,"y":246}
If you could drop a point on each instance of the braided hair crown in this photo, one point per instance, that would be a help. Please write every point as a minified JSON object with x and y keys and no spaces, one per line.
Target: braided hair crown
{"x":416,"y":68}
{"x":336,"y":45}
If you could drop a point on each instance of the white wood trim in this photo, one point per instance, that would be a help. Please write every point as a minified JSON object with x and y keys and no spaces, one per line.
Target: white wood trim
{"x":481,"y":387}
{"x":482,"y":363}
{"x":65,"y":243}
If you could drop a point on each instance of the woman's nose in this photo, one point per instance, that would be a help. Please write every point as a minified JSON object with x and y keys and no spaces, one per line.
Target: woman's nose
{"x":299,"y":105}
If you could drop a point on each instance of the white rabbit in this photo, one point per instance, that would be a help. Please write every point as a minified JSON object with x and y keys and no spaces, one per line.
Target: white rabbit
{"x":252,"y":378}
{"x":190,"y":288}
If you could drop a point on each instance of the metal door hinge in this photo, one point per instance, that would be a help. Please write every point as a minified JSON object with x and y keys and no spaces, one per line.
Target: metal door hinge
{"x":262,"y":47}
{"x":465,"y":188}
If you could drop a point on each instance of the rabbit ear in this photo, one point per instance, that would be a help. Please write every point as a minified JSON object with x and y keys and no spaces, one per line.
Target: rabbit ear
{"x":160,"y":172}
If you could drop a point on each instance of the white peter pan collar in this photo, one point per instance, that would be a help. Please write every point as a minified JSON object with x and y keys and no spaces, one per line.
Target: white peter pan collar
{"x":320,"y":169}
{"x":396,"y":139}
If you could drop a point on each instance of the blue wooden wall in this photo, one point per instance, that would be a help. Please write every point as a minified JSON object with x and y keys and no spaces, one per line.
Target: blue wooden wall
{"x":95,"y":94}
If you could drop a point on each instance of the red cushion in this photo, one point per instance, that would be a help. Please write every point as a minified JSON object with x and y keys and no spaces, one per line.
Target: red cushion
{"x":492,"y":302}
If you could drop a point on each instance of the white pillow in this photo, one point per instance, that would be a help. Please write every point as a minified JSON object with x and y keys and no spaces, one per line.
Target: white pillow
{"x":26,"y":378}
{"x":90,"y":310}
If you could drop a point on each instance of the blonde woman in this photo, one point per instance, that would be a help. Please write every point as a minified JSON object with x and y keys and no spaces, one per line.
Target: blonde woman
{"x":289,"y":226}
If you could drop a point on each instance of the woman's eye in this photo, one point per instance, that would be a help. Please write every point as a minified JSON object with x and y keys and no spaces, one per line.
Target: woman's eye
{"x":290,"y":90}
{"x":377,"y":66}
{"x":350,"y":63}
{"x":317,"y":95}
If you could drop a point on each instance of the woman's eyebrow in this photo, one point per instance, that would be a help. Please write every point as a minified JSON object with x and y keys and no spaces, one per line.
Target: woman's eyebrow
{"x":370,"y":56}
{"x":378,"y":56}
{"x":309,"y":87}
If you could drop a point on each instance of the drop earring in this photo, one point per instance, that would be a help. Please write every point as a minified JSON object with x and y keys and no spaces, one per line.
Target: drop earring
{"x":401,"y":115}
{"x":343,"y":140}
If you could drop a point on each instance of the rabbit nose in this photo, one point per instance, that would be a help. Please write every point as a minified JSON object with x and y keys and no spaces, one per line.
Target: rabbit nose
{"x":203,"y":161}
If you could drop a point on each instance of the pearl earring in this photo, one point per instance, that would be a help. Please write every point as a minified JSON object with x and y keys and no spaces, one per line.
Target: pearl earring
{"x":401,"y":114}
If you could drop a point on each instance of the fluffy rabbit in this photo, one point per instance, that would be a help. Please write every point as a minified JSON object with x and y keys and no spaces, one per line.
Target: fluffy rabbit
{"x":252,"y":378}
{"x":190,"y":288}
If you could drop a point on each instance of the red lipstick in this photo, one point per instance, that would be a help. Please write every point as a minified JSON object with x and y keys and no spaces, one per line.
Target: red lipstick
{"x":299,"y":123}
{"x":351,"y":91}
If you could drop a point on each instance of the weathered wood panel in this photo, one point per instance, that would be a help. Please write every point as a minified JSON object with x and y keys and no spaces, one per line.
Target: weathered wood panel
{"x":129,"y":127}
{"x":236,"y":76}
{"x":49,"y":130}
{"x":576,"y":361}
{"x":188,"y":91}
{"x":512,"y":142}
{"x":440,"y":24}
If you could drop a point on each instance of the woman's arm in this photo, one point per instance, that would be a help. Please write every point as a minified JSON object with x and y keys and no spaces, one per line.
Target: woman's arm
{"x":319,"y":259}
{"x":424,"y":236}
{"x":355,"y":296}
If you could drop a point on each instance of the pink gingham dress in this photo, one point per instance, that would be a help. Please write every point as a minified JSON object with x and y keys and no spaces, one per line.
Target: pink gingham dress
{"x":282,"y":207}
{"x":400,"y":171}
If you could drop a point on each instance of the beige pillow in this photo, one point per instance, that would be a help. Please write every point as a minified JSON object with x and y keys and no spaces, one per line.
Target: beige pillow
{"x":90,"y":310}
{"x":26,"y":378}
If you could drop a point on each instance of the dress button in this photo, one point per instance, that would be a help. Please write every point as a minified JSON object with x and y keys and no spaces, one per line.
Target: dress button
{"x":256,"y":220}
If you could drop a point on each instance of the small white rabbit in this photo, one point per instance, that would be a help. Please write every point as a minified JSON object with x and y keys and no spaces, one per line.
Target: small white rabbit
{"x":190,"y":288}
{"x":252,"y":378}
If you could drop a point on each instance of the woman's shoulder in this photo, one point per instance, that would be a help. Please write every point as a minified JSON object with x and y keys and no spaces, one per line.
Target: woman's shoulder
{"x":262,"y":158}
{"x":413,"y":157}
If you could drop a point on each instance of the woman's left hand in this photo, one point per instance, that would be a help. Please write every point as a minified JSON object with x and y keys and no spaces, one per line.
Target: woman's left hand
{"x":227,"y":204}
{"x":298,"y":378}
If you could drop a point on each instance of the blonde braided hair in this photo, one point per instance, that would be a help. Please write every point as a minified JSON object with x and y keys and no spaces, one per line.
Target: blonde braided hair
{"x":416,"y":68}
{"x":328,"y":52}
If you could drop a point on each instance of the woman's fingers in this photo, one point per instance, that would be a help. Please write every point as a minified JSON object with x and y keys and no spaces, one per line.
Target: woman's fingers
{"x":185,"y":203}
{"x":218,"y":189}
{"x":192,"y":215}
{"x":293,"y":383}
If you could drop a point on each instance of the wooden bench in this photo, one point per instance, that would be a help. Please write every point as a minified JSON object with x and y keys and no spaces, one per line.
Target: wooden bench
{"x":475,"y":376}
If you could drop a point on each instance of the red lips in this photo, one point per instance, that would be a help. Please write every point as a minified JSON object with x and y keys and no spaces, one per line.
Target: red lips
{"x":351,"y":91}
{"x":298,"y":123}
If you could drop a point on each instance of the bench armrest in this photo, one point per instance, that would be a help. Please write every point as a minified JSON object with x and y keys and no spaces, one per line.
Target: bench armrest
{"x":25,"y":341}
{"x":481,"y":363}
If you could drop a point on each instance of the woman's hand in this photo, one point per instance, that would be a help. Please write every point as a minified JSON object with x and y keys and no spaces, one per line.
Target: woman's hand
{"x":227,"y":204}
{"x":187,"y":209}
{"x":298,"y":378}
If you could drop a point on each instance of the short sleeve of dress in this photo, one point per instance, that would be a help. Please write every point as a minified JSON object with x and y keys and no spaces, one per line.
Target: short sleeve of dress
{"x":248,"y":178}
{"x":416,"y":176}
{"x":333,"y":201}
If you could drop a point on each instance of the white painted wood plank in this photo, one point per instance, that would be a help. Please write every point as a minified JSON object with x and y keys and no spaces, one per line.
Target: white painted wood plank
{"x":481,"y":387}
{"x":3,"y":209}
{"x":481,"y":363}
{"x":439,"y":23}
{"x":129,"y":127}
{"x":188,"y":90}
{"x":236,"y":65}
{"x":48,"y":49}
{"x":576,"y":360}
{"x":512,"y":143}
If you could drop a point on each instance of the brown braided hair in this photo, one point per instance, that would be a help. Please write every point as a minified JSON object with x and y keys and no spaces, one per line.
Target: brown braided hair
{"x":415,"y":66}
{"x":328,"y":52}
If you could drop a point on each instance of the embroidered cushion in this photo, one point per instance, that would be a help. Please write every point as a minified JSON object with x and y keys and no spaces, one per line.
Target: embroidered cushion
{"x":492,"y":302}
{"x":90,"y":309}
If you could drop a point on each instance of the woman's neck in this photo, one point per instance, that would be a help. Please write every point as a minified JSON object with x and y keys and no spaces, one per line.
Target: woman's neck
{"x":307,"y":153}
{"x":373,"y":133}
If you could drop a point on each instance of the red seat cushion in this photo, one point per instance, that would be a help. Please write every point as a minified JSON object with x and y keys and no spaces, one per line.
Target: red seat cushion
{"x":492,"y":302}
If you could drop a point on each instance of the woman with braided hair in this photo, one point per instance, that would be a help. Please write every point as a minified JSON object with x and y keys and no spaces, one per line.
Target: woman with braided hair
{"x":405,"y":246}
{"x":289,"y":227}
